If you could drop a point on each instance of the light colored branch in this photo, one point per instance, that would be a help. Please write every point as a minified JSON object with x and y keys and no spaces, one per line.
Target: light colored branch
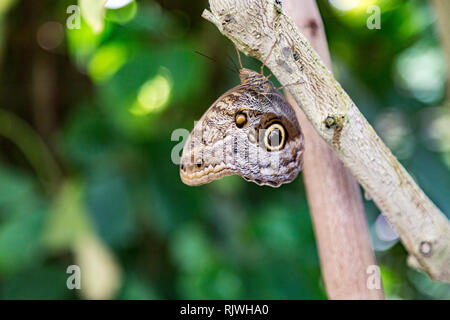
{"x":334,"y":197}
{"x":257,"y":26}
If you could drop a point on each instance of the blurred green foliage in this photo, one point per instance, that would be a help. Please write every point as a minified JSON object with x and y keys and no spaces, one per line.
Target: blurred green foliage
{"x":105,"y":104}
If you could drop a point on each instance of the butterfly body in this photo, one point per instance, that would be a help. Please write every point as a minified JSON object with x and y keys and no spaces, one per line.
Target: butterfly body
{"x":251,"y":131}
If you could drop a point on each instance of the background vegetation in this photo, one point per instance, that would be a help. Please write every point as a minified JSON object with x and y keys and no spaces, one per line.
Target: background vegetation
{"x":86,"y":175}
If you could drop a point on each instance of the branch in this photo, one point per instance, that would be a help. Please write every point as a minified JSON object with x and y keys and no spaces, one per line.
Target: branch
{"x":334,"y":197}
{"x":257,"y":26}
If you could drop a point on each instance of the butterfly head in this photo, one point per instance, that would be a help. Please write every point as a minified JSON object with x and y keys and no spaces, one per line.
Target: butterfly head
{"x":250,"y":76}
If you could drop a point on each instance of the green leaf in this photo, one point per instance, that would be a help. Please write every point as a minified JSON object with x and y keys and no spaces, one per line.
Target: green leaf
{"x":14,"y":188}
{"x":68,"y":220}
{"x":41,"y":282}
{"x":93,"y":11}
{"x":19,"y":240}
{"x":110,"y":207}
{"x":122,"y":15}
{"x":106,"y":61}
{"x":137,"y":288}
{"x":5,"y":5}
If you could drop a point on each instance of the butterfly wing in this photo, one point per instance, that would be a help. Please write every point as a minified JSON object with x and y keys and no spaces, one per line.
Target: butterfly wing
{"x":251,"y":131}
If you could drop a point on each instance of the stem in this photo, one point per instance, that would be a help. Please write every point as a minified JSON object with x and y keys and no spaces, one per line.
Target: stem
{"x":33,"y":147}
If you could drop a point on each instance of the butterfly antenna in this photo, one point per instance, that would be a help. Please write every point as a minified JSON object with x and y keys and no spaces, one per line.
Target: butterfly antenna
{"x":267,"y":58}
{"x":212,"y":59}
{"x":291,"y":84}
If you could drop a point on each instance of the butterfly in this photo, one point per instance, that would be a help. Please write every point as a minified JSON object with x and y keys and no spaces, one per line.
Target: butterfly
{"x":250,"y":130}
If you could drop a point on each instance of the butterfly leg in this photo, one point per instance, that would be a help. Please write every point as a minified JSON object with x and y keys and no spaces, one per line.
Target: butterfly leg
{"x":239,"y":56}
{"x":291,"y":84}
{"x":234,"y":63}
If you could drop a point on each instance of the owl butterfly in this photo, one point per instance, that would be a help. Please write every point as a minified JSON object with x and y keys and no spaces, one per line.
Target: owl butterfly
{"x":251,"y":131}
